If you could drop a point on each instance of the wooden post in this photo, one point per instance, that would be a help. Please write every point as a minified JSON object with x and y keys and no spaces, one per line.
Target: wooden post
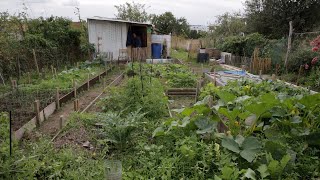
{"x":88,"y":82}
{"x":78,"y":65}
{"x":289,"y":46}
{"x":75,"y":104}
{"x":29,"y":78}
{"x":43,"y":73}
{"x":65,"y":68}
{"x":273,"y":77}
{"x":78,"y":105}
{"x":201,"y":68}
{"x":55,"y":72}
{"x":57,"y":98}
{"x":61,"y":122}
{"x":52,"y":71}
{"x":13,"y":84}
{"x":37,"y":111}
{"x":74,"y":88}
{"x":35,"y":61}
{"x":260,"y":74}
{"x":197,"y":91}
{"x":214,"y":78}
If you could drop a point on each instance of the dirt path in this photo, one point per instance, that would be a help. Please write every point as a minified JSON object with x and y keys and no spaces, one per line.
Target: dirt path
{"x":51,"y":126}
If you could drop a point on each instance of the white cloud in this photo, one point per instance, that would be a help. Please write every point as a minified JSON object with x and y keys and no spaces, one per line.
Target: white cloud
{"x":71,"y":3}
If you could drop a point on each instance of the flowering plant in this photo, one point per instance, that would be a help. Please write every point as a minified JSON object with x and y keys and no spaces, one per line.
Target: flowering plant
{"x":315,"y":48}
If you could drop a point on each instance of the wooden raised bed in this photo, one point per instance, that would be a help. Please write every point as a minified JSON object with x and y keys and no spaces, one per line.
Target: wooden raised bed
{"x":51,"y":108}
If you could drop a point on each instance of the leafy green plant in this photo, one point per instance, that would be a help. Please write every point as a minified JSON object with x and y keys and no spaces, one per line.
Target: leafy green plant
{"x":117,"y":129}
{"x":247,"y":147}
{"x":150,"y":99}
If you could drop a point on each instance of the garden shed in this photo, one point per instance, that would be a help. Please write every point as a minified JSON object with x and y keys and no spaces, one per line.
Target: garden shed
{"x":116,"y":36}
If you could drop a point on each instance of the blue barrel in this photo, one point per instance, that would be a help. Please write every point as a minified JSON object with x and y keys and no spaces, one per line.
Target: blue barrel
{"x":156,"y":50}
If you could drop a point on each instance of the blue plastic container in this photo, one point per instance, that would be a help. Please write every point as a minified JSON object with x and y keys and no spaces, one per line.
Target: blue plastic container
{"x":156,"y":50}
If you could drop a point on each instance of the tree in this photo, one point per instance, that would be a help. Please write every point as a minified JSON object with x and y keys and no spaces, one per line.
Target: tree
{"x":168,"y":23}
{"x":229,"y":25}
{"x":271,"y":17}
{"x":165,"y":22}
{"x":132,"y":12}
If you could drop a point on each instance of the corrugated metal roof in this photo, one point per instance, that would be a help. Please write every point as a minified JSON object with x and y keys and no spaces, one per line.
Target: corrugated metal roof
{"x":117,"y":20}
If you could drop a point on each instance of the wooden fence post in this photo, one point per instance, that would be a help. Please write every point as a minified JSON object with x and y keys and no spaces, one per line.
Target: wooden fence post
{"x":61,"y":122}
{"x":55,"y":72}
{"x":29,"y":78}
{"x":88,"y":82}
{"x":273,"y":77}
{"x":76,"y":105}
{"x":289,"y":46}
{"x":74,"y":88}
{"x":214,"y":78}
{"x":52,"y":71}
{"x":260,"y":74}
{"x":14,"y":84}
{"x":43,"y":73}
{"x":57,"y":98}
{"x":37,"y":111}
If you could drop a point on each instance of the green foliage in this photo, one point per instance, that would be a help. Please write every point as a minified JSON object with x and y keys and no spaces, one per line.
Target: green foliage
{"x":298,"y":58}
{"x":133,"y":96}
{"x":228,"y":25}
{"x":41,"y":161}
{"x":132,"y":12}
{"x":247,"y":147}
{"x":55,"y":43}
{"x":168,"y":23}
{"x":243,"y":45}
{"x":117,"y":128}
{"x":271,"y":18}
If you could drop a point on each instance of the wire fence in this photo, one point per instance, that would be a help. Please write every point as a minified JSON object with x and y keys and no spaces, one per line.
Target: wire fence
{"x":21,"y":103}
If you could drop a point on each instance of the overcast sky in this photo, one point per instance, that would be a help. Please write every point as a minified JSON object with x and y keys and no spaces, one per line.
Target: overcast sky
{"x":197,"y":12}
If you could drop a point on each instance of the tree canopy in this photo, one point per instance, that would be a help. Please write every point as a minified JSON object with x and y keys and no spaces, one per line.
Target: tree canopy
{"x":229,"y":25}
{"x":168,"y":23}
{"x":132,"y":12}
{"x":271,"y":17}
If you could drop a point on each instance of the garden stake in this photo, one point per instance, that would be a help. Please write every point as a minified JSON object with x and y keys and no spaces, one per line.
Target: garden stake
{"x":88,"y":82}
{"x":43,"y":73}
{"x":37,"y":111}
{"x":74,"y":88}
{"x":57,"y":98}
{"x":29,"y":78}
{"x":260,"y":74}
{"x":60,"y":122}
{"x":52,"y":71}
{"x":55,"y":72}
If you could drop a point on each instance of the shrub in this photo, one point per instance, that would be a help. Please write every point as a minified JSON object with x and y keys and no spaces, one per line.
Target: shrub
{"x":243,"y":45}
{"x":298,"y":58}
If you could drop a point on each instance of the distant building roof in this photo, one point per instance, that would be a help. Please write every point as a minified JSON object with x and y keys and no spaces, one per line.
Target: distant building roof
{"x":117,"y":20}
{"x":199,"y":27}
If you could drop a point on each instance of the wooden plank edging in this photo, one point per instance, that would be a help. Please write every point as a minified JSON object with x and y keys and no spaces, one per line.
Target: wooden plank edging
{"x":50,"y":109}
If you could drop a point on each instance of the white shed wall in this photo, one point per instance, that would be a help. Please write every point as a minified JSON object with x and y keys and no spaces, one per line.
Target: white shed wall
{"x":112,"y":35}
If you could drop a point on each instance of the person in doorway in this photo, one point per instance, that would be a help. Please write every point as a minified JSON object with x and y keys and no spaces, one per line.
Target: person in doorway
{"x":136,"y":41}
